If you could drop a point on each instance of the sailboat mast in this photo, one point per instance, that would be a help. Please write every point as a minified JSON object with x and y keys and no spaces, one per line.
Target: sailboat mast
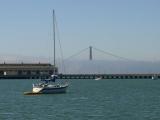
{"x":54,"y":37}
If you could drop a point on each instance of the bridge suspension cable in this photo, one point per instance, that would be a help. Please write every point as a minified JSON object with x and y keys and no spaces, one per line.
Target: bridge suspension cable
{"x":76,"y":54}
{"x":113,"y":55}
{"x":99,"y":50}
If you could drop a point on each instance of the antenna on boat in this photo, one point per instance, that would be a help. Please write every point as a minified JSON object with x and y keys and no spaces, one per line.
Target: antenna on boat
{"x":54,"y":37}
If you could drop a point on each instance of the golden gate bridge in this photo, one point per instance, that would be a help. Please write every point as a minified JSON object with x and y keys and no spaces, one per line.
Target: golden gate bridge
{"x":104,"y":75}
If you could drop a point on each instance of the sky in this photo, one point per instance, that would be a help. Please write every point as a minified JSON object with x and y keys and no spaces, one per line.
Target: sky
{"x":128,"y":28}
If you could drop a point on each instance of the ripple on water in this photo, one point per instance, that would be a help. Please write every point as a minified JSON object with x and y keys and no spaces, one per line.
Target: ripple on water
{"x":85,"y":100}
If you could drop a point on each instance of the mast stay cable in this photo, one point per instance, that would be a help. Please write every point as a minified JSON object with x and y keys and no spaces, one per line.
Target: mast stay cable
{"x":60,"y":45}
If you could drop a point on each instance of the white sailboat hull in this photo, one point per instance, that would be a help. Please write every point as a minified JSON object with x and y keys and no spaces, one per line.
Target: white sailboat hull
{"x":50,"y":89}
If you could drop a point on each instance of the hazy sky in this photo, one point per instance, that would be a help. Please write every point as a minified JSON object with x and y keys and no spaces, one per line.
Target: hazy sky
{"x":128,"y":28}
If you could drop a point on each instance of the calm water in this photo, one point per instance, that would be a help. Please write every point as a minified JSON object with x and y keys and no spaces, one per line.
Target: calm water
{"x":85,"y":100}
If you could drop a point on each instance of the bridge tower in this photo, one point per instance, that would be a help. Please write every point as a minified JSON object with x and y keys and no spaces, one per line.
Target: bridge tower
{"x":90,"y":53}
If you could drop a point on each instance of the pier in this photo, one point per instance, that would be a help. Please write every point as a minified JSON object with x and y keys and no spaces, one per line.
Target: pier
{"x":82,"y":76}
{"x":108,"y":76}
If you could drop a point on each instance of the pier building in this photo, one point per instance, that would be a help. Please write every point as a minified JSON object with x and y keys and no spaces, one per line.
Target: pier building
{"x":26,"y":70}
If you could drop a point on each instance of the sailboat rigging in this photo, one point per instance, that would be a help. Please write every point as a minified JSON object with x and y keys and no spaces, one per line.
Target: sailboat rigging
{"x":50,"y":86}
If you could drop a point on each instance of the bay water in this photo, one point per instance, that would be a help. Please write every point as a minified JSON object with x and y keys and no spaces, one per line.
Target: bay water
{"x":116,"y":99}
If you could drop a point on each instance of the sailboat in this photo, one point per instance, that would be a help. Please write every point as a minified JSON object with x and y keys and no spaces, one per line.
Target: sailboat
{"x":50,"y":86}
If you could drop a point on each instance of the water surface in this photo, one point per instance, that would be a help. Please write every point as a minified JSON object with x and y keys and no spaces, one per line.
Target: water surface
{"x":85,"y":100}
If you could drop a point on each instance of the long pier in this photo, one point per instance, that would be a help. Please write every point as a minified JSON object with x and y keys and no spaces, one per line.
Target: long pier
{"x":108,"y":76}
{"x":85,"y":76}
